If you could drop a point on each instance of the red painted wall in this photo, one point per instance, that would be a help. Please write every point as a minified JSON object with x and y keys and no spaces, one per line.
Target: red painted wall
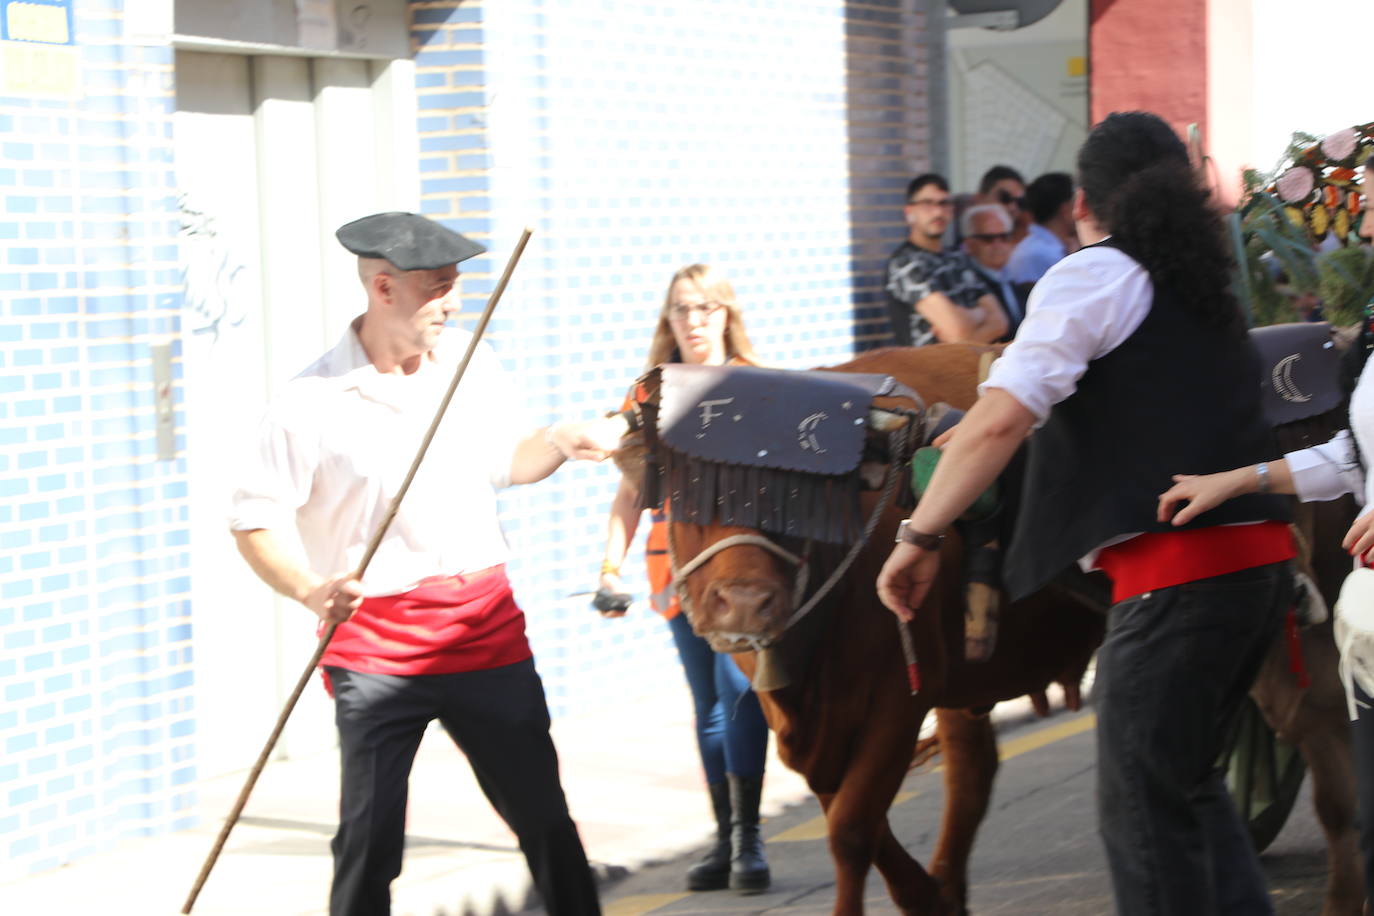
{"x":1149,"y":55}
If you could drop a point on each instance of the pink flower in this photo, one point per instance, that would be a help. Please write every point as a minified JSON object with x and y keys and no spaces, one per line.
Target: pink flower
{"x":1295,"y":184}
{"x":1339,"y":145}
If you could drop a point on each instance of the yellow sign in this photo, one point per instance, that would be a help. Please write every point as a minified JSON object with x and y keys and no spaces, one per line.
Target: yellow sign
{"x":48,"y":71}
{"x":1078,"y":66}
{"x":37,"y":22}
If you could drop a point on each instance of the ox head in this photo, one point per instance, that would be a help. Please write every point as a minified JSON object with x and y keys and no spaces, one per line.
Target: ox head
{"x":761,"y":487}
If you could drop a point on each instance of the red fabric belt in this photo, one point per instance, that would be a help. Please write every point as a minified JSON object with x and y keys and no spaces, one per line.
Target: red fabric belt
{"x":1161,"y":559}
{"x":467,"y":622}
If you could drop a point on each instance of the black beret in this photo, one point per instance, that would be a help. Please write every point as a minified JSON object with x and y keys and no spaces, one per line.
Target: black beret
{"x":408,"y":240}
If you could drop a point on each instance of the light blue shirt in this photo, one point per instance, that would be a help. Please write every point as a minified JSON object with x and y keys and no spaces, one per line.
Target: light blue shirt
{"x":1040,"y":250}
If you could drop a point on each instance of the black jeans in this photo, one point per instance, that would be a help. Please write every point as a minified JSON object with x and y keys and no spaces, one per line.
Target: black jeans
{"x":1171,"y":674}
{"x":500,"y":720}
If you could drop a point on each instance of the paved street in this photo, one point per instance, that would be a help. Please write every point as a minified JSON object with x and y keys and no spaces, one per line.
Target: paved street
{"x":1037,"y":854}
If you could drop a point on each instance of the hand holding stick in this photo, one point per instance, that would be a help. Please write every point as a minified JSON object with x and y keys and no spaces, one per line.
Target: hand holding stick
{"x":372,"y":546}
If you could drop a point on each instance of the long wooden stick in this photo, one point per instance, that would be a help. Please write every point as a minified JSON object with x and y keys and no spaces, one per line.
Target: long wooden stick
{"x":372,"y":546}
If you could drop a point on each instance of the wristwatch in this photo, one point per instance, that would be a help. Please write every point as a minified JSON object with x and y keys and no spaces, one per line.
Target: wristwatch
{"x":909,"y":535}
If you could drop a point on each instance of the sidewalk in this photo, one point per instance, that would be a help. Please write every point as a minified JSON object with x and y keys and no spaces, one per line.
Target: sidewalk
{"x":631,"y":774}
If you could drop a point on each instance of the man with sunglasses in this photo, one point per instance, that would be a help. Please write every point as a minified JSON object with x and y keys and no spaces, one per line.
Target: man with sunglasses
{"x":1050,"y":201}
{"x":1003,"y":185}
{"x":934,"y":295}
{"x":987,"y":232}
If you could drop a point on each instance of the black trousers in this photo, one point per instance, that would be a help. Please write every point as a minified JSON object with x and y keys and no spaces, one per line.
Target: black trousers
{"x":500,"y":720}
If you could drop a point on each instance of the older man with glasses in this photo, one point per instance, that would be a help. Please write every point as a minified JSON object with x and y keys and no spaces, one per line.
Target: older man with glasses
{"x":987,"y":232}
{"x":934,"y":295}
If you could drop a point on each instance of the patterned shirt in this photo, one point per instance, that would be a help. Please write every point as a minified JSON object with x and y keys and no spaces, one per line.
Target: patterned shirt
{"x":914,"y":273}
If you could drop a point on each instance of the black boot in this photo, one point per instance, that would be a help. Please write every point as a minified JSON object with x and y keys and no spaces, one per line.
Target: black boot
{"x":713,"y":871}
{"x":748,"y":867}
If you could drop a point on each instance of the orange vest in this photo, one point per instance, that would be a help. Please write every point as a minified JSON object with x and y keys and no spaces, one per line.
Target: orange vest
{"x":662,"y":595}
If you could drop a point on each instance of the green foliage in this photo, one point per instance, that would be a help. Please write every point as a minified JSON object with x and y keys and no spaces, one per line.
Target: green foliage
{"x":1279,"y":261}
{"x":1276,"y":241}
{"x":1346,"y":283}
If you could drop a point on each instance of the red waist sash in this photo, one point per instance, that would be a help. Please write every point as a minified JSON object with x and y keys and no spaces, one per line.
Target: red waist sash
{"x":1160,"y":559}
{"x":442,"y":625}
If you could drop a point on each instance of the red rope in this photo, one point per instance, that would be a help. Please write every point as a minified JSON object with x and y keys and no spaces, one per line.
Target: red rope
{"x":1295,"y":661}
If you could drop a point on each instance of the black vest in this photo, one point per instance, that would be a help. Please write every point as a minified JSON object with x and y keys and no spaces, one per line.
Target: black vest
{"x":1177,"y":397}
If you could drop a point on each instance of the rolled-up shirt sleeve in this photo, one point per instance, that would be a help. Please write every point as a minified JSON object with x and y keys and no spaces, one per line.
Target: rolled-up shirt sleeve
{"x":276,"y":479}
{"x":1327,"y":471}
{"x":1086,"y":306}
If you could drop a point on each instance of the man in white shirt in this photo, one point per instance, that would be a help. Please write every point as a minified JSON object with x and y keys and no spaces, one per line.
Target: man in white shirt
{"x":432,"y":631}
{"x":1133,"y":362}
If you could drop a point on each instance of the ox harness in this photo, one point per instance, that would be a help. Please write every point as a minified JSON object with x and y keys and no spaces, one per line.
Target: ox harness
{"x":779,"y":452}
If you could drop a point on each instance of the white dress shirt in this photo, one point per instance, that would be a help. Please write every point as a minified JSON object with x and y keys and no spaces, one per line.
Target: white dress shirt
{"x":1085,"y":307}
{"x":1332,"y":469}
{"x":335,"y":445}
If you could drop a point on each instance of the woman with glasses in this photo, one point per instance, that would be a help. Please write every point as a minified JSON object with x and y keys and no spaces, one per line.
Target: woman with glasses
{"x":701,"y":323}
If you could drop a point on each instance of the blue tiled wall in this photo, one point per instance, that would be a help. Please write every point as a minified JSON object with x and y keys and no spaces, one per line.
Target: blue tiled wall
{"x":773,"y":140}
{"x":94,"y":613}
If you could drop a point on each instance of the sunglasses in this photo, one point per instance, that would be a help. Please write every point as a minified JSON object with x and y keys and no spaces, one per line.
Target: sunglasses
{"x":1005,"y":198}
{"x":992,"y":236}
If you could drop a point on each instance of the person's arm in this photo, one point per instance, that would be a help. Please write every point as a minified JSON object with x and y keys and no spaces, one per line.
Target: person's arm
{"x":1202,"y":492}
{"x":993,"y":326}
{"x":1327,"y":471}
{"x":989,"y":435}
{"x":620,"y":531}
{"x":332,"y":599}
{"x":1080,"y":312}
{"x":539,"y":453}
{"x":951,"y":323}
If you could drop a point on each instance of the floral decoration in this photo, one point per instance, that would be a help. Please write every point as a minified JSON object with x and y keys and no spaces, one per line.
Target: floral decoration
{"x":1318,"y":182}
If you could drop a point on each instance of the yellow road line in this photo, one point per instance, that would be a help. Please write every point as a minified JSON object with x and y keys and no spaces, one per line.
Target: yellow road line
{"x":639,"y":904}
{"x":1038,"y":739}
{"x":815,"y":828}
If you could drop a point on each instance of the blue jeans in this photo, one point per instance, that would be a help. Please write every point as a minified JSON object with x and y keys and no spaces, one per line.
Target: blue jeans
{"x":1171,"y":674}
{"x":731,"y":732}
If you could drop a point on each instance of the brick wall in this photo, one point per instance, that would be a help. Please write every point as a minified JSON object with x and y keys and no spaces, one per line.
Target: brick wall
{"x":772,"y":140}
{"x":94,"y":618}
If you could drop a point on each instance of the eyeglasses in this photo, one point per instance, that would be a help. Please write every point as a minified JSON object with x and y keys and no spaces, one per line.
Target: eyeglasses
{"x":703,"y":311}
{"x":944,"y":204}
{"x":1006,"y":199}
{"x":992,"y":236}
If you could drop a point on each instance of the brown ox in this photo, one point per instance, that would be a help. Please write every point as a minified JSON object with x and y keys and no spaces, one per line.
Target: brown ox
{"x":849,"y":722}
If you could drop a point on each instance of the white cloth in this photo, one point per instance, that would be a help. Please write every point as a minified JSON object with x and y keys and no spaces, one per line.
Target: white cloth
{"x":1084,"y":308}
{"x":335,"y":445}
